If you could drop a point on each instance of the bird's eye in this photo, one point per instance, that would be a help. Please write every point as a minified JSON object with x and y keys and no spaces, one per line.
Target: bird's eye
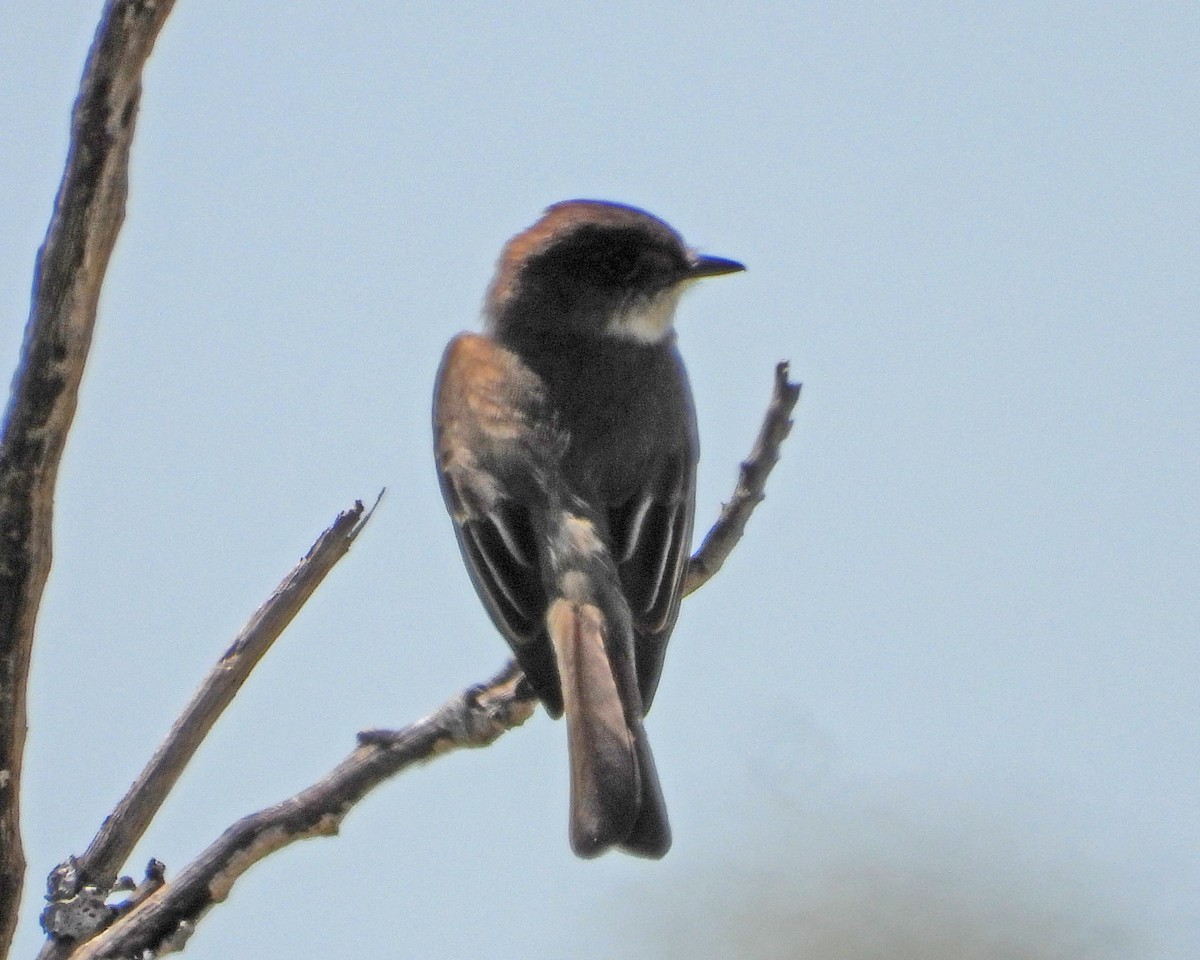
{"x":613,"y":259}
{"x":625,"y":267}
{"x":632,"y":267}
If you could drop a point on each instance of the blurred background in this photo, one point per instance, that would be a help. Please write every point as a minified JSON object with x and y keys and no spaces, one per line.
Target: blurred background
{"x":943,"y":700}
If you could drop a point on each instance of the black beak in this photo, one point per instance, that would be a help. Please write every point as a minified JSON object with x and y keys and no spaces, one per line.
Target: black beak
{"x":713,"y":267}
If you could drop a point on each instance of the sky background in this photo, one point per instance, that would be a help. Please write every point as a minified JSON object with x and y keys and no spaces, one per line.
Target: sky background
{"x":943,"y":700}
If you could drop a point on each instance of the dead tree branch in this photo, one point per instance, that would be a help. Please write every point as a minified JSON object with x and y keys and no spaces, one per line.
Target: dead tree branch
{"x":124,"y":827}
{"x":68,"y":275}
{"x":79,"y":886}
{"x":475,"y":718}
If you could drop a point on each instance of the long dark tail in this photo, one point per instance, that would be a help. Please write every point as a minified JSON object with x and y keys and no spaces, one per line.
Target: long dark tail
{"x":615,"y":795}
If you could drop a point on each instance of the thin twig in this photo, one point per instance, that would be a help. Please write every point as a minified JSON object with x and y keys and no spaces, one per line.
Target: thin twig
{"x":68,"y":274}
{"x":752,"y":481}
{"x":74,"y":886}
{"x":474,"y":718}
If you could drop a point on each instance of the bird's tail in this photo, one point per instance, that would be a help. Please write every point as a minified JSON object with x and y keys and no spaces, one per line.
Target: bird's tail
{"x":615,"y":794}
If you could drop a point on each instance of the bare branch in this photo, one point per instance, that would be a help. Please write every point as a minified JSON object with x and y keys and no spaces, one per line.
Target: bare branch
{"x":474,"y":718}
{"x":68,"y":274}
{"x":125,"y":826}
{"x":77,"y":885}
{"x":752,"y":481}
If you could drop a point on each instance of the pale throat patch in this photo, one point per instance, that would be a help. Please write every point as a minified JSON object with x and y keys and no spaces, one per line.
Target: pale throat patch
{"x":650,"y":320}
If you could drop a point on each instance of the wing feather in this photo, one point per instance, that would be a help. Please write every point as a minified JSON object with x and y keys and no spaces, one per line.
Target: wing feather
{"x":484,"y":418}
{"x":652,"y":535}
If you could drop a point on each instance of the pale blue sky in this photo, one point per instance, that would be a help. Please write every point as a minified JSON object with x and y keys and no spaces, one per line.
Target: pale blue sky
{"x":947,"y":686}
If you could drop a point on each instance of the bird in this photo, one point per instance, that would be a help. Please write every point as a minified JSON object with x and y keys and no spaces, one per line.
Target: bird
{"x":566,"y":446}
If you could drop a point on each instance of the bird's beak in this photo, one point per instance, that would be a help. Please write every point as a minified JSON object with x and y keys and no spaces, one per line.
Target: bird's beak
{"x":713,"y":267}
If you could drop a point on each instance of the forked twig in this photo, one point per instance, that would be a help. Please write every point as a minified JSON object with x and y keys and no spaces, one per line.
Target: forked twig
{"x":78,"y":887}
{"x":474,"y":718}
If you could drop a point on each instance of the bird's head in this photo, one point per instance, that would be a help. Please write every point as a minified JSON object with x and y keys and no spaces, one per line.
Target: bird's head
{"x":592,"y":268}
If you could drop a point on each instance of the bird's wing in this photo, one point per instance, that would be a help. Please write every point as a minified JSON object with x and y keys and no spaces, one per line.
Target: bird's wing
{"x":485,"y":420}
{"x":652,"y":536}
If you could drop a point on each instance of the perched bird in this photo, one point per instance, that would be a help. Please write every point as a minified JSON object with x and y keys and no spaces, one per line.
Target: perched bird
{"x":566,"y":450}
